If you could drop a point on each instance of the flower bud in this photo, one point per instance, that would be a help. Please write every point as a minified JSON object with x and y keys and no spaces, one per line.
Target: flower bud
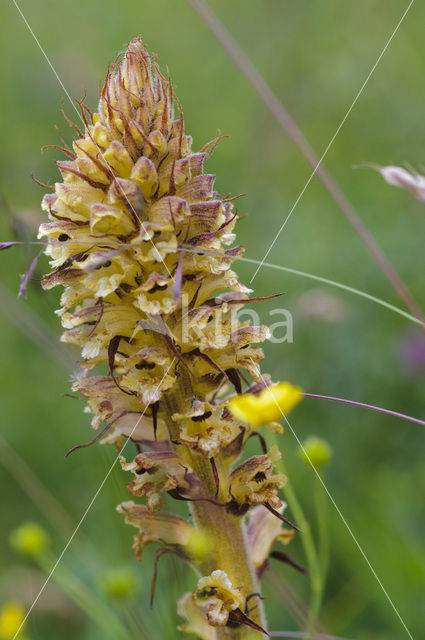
{"x":30,"y":539}
{"x":200,"y":544}
{"x":118,"y":584}
{"x":399,"y":177}
{"x":315,"y":451}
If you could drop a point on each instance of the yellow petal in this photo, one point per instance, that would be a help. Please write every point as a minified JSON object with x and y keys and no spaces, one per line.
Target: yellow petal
{"x":268,"y":406}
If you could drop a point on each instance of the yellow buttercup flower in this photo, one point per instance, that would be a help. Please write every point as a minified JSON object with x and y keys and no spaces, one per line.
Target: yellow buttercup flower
{"x":268,"y":406}
{"x":12,"y":615}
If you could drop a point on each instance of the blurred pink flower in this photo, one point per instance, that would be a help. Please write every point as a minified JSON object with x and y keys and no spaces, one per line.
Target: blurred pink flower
{"x":399,"y":177}
{"x":413,"y":352}
{"x":319,"y":304}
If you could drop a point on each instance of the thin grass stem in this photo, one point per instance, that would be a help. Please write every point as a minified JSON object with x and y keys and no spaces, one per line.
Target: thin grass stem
{"x":389,"y":412}
{"x":301,"y":634}
{"x":95,"y":609}
{"x":36,"y":491}
{"x":310,"y":549}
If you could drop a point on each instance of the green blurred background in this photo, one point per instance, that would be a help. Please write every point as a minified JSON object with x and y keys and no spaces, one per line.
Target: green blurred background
{"x":315,"y":55}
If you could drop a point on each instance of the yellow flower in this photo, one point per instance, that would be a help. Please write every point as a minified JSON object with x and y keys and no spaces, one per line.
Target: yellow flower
{"x":12,"y":615}
{"x":268,"y":406}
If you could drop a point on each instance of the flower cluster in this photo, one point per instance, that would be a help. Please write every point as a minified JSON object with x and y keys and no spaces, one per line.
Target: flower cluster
{"x":140,"y":241}
{"x":131,"y":230}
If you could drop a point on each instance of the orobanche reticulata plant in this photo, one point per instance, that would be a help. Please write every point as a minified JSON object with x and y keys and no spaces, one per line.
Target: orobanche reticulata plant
{"x":140,"y":241}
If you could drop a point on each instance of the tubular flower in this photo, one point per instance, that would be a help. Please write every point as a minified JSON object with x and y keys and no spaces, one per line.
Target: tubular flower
{"x":157,"y":472}
{"x":173,"y":532}
{"x":254,"y":483}
{"x":139,"y":240}
{"x":218,"y":596}
{"x":194,"y":616}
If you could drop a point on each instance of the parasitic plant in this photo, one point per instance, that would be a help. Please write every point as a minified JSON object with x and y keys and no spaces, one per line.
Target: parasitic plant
{"x":139,"y":239}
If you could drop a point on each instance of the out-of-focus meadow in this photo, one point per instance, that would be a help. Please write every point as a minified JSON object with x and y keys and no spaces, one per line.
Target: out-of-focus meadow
{"x":315,"y":55}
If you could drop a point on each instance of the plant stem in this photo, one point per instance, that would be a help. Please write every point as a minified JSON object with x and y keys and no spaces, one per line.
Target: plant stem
{"x":321,"y":502}
{"x":230,"y":550}
{"x":310,"y":550}
{"x":230,"y":554}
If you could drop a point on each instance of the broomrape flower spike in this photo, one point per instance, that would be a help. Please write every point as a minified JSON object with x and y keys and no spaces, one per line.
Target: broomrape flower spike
{"x":139,"y":239}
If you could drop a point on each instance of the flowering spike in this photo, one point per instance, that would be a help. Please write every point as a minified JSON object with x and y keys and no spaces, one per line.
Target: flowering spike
{"x":139,"y":239}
